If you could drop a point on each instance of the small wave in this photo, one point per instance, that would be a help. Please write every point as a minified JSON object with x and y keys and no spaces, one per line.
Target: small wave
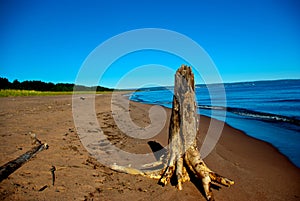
{"x":137,"y":99}
{"x":285,"y":100}
{"x":254,"y":114}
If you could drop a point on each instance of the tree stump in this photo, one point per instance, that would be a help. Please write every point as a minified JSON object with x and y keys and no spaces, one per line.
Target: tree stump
{"x":183,"y":150}
{"x":183,"y":156}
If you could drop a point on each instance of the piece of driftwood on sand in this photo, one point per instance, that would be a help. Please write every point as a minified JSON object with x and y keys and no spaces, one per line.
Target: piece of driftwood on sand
{"x":184,"y":159}
{"x":11,"y":166}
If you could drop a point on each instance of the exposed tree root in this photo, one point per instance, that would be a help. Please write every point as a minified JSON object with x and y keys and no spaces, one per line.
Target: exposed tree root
{"x":183,"y":156}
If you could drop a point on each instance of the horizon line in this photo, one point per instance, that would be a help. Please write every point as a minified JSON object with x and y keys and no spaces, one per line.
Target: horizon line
{"x":132,"y":88}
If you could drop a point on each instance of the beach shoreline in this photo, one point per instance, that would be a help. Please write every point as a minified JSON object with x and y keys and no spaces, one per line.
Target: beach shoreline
{"x":234,"y":128}
{"x":264,"y":110}
{"x":259,"y":170}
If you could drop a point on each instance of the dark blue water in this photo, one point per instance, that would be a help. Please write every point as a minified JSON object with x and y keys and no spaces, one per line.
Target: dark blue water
{"x":266,"y":110}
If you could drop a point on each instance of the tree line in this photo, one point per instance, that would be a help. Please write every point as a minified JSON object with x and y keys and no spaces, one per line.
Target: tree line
{"x":46,"y":86}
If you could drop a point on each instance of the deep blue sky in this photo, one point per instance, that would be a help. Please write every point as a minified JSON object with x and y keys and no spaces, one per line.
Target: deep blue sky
{"x":248,"y":40}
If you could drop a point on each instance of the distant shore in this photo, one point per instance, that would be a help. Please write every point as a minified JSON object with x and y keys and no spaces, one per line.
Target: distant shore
{"x":260,"y":172}
{"x":18,"y":92}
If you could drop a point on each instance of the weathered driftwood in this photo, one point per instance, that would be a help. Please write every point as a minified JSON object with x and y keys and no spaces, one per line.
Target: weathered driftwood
{"x":183,"y":150}
{"x":183,"y":156}
{"x":13,"y":165}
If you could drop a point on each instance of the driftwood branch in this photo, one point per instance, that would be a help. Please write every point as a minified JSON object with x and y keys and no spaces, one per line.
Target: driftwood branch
{"x":183,"y":157}
{"x":13,"y":165}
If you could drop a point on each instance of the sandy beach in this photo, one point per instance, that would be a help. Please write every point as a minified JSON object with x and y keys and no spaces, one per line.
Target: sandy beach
{"x":260,"y":172}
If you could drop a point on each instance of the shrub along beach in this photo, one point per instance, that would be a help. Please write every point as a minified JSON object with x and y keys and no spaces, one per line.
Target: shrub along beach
{"x":39,"y":88}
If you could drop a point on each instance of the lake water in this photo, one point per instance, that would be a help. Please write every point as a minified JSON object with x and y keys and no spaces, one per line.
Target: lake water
{"x":266,"y":110}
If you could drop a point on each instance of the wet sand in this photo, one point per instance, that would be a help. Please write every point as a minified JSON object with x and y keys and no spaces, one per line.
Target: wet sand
{"x":260,"y":172}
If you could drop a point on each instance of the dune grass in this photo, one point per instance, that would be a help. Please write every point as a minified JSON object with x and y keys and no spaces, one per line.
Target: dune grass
{"x":14,"y":92}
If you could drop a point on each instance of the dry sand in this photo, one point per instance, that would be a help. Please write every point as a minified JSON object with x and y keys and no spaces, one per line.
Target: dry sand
{"x":260,"y":172}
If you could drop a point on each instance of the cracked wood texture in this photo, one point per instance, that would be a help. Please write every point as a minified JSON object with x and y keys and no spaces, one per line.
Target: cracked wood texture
{"x":184,"y":155}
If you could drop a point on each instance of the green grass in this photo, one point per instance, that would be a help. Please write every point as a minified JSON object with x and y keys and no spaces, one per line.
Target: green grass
{"x":14,"y":92}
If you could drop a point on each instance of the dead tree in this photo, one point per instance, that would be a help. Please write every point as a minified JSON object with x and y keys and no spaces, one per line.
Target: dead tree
{"x":183,"y":150}
{"x":183,"y":156}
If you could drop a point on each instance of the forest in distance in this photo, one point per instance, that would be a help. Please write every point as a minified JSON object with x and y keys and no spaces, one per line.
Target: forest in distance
{"x":47,"y":86}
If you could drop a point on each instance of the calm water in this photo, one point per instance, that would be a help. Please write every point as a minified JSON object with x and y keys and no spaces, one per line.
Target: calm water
{"x":266,"y":110}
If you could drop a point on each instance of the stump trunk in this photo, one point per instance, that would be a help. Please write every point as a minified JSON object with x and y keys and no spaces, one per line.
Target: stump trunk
{"x":184,"y":155}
